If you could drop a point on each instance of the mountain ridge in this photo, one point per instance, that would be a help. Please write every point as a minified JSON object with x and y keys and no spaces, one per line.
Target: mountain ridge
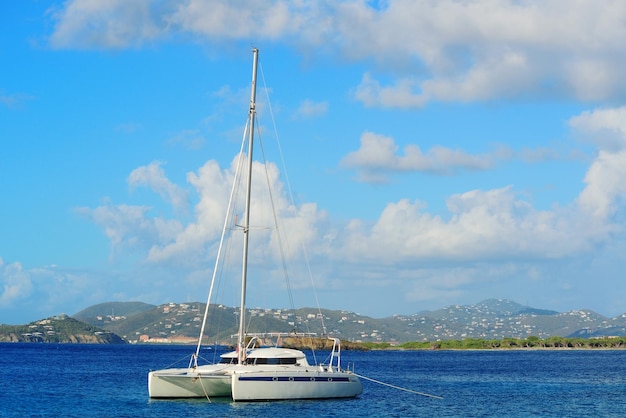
{"x":488,"y":319}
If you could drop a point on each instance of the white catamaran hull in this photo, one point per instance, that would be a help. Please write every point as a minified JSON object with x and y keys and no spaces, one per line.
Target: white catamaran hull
{"x":187,"y":383}
{"x":261,"y":386}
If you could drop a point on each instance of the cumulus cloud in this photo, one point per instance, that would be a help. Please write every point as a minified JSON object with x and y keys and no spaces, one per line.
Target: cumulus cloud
{"x":154,"y":177}
{"x":493,"y":238}
{"x":481,"y":50}
{"x":403,"y":93}
{"x":604,"y":192}
{"x":129,"y":227}
{"x":235,"y":19}
{"x":427,"y":51}
{"x":604,"y":128}
{"x":135,"y":230}
{"x":605,"y":189}
{"x":497,"y":223}
{"x":114,"y":24}
{"x":483,"y":225}
{"x":15,"y":283}
{"x":378,"y":156}
{"x":213,"y":186}
{"x":489,"y":237}
{"x":486,"y":236}
{"x":480,"y":225}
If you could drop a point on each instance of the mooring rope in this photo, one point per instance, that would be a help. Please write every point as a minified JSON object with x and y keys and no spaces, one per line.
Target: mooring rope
{"x":398,"y":387}
{"x":203,"y":388}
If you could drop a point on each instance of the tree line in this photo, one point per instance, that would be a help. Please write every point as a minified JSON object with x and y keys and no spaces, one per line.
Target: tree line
{"x":506,"y":343}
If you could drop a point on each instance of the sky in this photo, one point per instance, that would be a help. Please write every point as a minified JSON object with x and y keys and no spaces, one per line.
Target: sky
{"x":440,"y":153}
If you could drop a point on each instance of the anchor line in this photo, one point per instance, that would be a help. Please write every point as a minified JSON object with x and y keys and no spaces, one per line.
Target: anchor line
{"x":398,"y":387}
{"x":203,"y":388}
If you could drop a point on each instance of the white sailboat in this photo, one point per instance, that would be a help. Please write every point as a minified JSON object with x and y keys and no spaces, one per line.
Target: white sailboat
{"x":251,"y":373}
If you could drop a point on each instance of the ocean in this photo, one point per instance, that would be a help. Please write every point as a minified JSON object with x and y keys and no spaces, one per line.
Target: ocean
{"x":65,"y":380}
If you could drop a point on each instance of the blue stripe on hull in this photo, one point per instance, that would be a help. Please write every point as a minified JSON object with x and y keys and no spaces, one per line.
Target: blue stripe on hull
{"x":292,"y":379}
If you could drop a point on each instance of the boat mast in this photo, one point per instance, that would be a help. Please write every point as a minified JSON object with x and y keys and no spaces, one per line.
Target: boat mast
{"x":246,"y":223}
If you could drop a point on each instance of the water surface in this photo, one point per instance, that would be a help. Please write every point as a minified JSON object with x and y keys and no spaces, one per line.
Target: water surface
{"x":111,"y":380}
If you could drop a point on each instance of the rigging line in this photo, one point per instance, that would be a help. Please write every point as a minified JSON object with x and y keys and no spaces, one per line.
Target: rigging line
{"x":291,"y":198}
{"x":219,"y":251}
{"x":176,"y":362}
{"x":216,"y":317}
{"x":276,"y":223}
{"x":218,"y":314}
{"x":398,"y":387}
{"x":306,"y":324}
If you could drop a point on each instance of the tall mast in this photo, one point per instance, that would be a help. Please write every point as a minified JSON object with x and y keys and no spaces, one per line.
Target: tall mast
{"x":246,"y":223}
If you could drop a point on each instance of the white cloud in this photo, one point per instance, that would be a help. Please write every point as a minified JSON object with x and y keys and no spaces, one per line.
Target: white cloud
{"x":480,"y":225}
{"x":488,"y":237}
{"x":213,"y":186}
{"x":234,"y":19}
{"x":491,"y":236}
{"x":15,"y":284}
{"x":404,"y":93}
{"x":444,"y":51}
{"x":605,"y":190}
{"x":481,"y":50}
{"x":129,"y":228}
{"x":154,"y":177}
{"x":109,"y":24}
{"x":483,"y":225}
{"x":378,"y":156}
{"x":604,"y":128}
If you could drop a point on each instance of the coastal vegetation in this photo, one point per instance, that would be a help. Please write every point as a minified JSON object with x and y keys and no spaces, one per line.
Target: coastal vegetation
{"x":531,"y":342}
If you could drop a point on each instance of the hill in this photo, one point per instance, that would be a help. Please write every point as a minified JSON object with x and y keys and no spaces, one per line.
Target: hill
{"x":112,"y":310}
{"x":489,"y":319}
{"x":58,"y":329}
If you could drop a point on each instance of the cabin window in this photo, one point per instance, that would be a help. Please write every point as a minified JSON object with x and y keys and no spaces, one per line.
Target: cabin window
{"x":226,"y":360}
{"x":262,"y":360}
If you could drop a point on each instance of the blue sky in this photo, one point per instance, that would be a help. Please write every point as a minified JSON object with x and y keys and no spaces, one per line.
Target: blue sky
{"x":440,"y":152}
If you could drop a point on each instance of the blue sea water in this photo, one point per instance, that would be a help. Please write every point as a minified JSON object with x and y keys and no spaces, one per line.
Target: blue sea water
{"x":111,"y":381}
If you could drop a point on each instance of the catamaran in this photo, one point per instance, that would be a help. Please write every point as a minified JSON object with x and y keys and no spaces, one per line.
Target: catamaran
{"x":251,"y":373}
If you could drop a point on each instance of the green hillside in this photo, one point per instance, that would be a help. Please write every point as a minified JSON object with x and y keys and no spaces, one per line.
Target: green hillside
{"x":58,"y":329}
{"x":492,"y":319}
{"x":489,"y":319}
{"x":112,"y":310}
